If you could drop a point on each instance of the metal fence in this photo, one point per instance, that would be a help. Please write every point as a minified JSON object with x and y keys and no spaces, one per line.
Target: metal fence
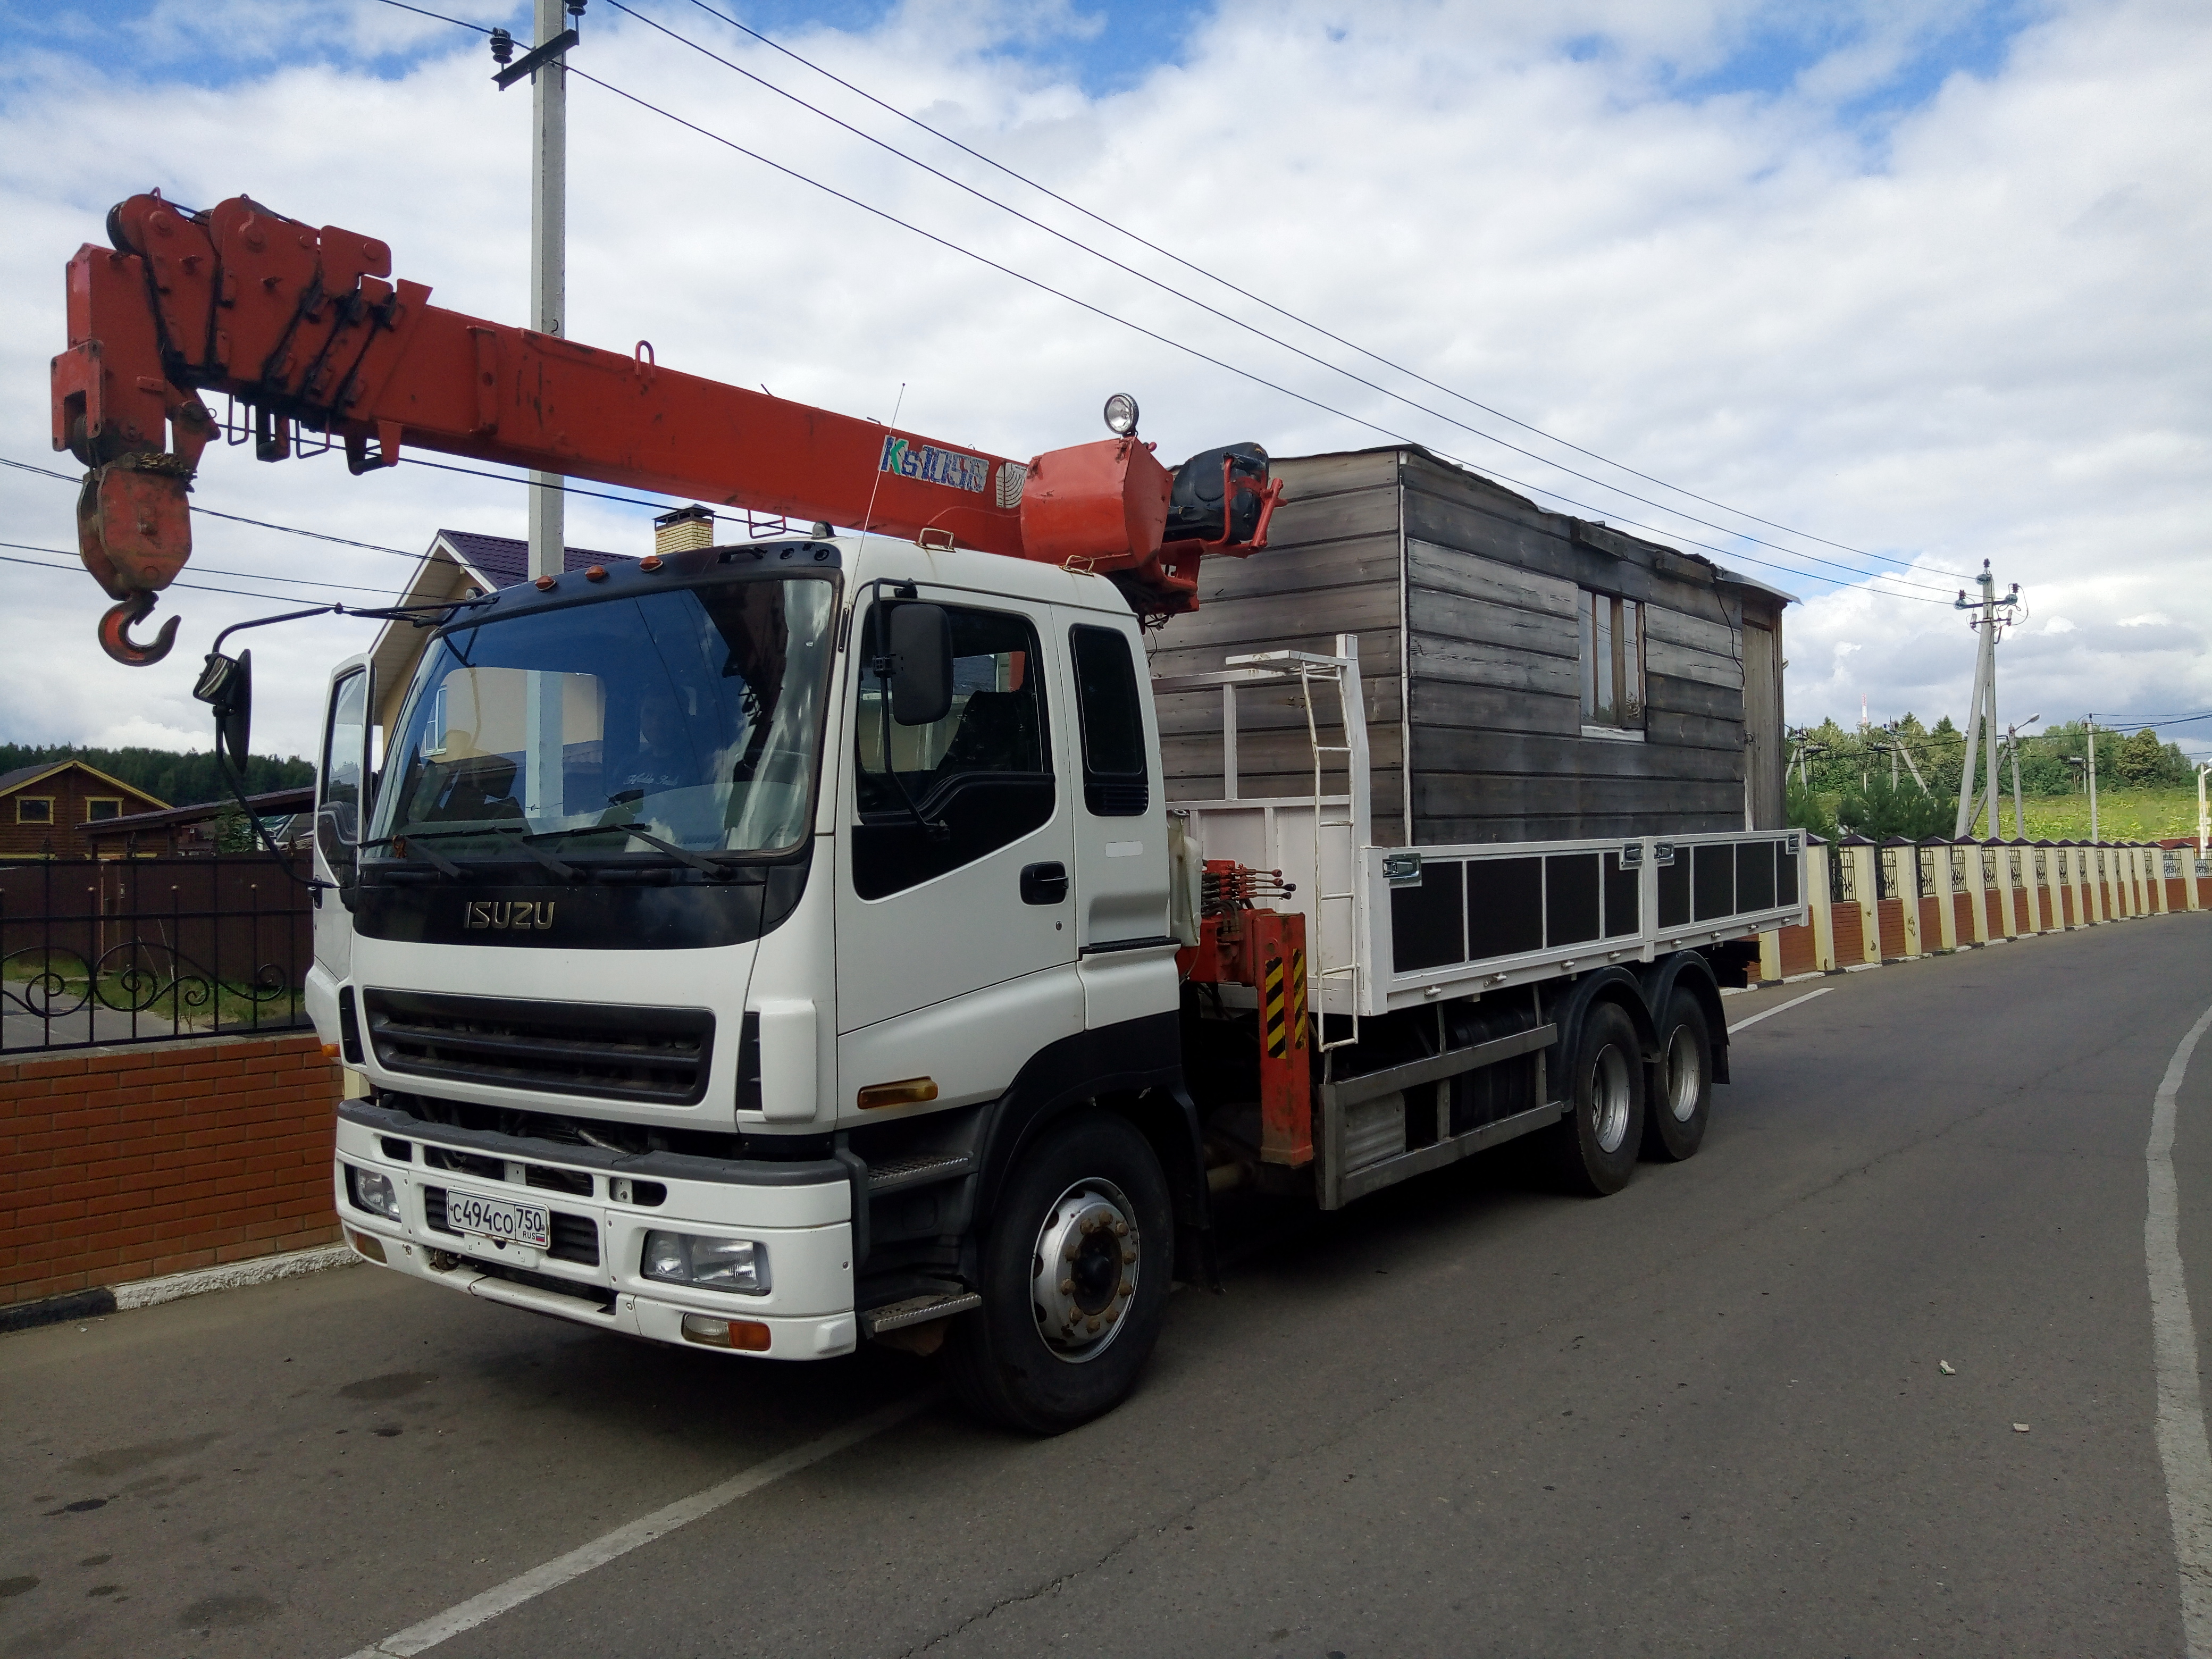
{"x":106,"y":951}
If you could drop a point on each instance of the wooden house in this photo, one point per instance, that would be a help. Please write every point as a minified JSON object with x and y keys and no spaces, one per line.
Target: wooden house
{"x":1527,"y":676}
{"x":44,"y":810}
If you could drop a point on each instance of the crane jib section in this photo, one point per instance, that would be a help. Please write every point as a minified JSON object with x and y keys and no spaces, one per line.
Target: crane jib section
{"x":308,"y":329}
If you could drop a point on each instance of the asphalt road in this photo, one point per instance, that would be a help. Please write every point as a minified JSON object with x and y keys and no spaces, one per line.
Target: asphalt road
{"x":1705,"y":1416}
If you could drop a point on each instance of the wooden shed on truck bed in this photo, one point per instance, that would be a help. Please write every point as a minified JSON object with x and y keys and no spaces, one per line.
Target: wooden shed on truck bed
{"x":1527,"y":676}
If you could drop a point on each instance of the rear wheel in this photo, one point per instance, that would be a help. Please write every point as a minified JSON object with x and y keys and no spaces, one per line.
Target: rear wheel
{"x":1075,"y":1270}
{"x":1594,"y":1146}
{"x":1681,"y":1082}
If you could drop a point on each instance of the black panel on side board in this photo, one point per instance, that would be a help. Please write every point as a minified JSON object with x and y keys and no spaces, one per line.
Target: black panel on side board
{"x":1675,"y":891}
{"x":1620,"y":917}
{"x":1570,"y":898}
{"x":1427,"y":923}
{"x":1505,"y":906}
{"x":1754,"y":875}
{"x":1712,"y":882}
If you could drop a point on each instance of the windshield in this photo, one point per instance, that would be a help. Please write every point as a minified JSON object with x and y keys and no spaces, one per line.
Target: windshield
{"x":693,"y":716}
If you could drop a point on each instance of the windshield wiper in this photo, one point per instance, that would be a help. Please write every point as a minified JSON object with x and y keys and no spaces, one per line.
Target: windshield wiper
{"x":512,"y":836}
{"x":681,"y":854}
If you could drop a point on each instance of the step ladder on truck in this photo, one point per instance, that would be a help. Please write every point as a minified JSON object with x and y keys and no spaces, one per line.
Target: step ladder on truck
{"x":771,"y":947}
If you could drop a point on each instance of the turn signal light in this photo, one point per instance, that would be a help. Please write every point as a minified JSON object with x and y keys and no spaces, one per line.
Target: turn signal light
{"x":371,"y":1247}
{"x":748,"y":1334}
{"x":329,"y":1051}
{"x":908,"y":1091}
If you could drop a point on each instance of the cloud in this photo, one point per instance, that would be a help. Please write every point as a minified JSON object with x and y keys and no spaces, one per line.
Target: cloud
{"x":1972,"y":329}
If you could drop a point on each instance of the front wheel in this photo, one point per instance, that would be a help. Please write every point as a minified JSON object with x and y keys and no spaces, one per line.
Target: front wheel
{"x":1681,"y":1082}
{"x":1076,"y":1267}
{"x":1595,"y":1145}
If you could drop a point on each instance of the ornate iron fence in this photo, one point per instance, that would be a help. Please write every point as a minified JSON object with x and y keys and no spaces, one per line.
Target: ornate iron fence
{"x":105,"y":950}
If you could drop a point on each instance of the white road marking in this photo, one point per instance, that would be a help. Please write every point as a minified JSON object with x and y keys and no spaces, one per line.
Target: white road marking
{"x":2181,"y":1440}
{"x":1769,"y":1013}
{"x":480,"y":1609}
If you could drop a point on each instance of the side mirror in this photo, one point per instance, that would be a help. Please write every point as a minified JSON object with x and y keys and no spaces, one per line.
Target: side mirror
{"x":226,"y":685}
{"x":920,"y":663}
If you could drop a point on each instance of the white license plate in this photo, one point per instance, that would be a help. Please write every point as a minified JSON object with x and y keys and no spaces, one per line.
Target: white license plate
{"x":498,"y":1218}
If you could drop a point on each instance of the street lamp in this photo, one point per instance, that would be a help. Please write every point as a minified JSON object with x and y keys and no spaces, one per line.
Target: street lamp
{"x":2202,"y":767}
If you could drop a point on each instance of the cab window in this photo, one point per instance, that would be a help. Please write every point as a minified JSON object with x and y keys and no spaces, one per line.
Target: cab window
{"x":931,"y":799}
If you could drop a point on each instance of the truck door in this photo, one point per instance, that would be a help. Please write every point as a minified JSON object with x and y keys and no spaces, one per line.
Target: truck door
{"x":955,"y":917}
{"x":341,"y":809}
{"x":1128,"y":968}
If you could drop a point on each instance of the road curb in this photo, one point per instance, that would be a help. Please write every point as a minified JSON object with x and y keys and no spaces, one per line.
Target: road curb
{"x":172,"y":1287}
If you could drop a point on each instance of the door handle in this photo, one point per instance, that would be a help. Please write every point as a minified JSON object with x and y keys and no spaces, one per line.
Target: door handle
{"x":1044,"y":884}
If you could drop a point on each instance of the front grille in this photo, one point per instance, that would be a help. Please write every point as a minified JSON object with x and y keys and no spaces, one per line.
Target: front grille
{"x":475,"y":1164}
{"x":576,"y":1237}
{"x":575,"y":1182}
{"x":659,"y":1055}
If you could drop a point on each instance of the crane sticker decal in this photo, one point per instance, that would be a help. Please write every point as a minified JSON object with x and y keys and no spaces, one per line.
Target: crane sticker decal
{"x":934,"y":465}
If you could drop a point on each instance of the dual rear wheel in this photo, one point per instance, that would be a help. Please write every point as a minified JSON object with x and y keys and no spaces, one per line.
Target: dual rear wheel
{"x":1620,"y":1107}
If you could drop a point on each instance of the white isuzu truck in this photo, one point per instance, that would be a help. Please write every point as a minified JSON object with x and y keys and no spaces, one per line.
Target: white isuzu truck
{"x":902,"y":936}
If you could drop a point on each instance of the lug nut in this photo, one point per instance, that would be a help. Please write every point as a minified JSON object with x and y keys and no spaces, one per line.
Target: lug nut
{"x":1070,"y":1253}
{"x":1068,"y":1287}
{"x":1091,"y":1324}
{"x":1122,"y":1228}
{"x":1128,"y":1289}
{"x":1127,"y":1257}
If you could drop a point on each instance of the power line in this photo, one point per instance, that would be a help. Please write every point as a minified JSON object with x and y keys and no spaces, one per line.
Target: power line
{"x":1224,"y":282}
{"x":1193,"y":351}
{"x":1272,"y":339}
{"x":204,"y":587}
{"x":215,"y":570}
{"x":235,"y":518}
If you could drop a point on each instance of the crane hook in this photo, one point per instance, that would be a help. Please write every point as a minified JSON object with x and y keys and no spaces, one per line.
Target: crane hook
{"x":115,"y":637}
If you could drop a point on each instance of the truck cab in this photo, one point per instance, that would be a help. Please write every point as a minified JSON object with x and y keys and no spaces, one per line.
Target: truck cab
{"x":725,"y":928}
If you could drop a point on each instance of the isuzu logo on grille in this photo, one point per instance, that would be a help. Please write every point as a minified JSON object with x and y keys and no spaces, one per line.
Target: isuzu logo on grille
{"x":524,"y":913}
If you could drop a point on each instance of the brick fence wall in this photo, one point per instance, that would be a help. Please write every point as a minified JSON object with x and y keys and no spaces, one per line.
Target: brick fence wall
{"x":125,"y":1163}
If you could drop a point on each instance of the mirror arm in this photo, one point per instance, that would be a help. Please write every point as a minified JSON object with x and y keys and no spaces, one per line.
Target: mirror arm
{"x":938,"y":829}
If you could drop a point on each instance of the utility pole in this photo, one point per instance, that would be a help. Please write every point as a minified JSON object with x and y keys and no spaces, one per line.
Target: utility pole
{"x":2090,"y":721}
{"x":1896,"y":735}
{"x":1983,"y":719}
{"x":2019,"y":812}
{"x":556,"y":31}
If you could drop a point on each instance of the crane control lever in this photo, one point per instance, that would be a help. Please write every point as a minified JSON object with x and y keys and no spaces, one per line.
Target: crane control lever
{"x":308,"y":329}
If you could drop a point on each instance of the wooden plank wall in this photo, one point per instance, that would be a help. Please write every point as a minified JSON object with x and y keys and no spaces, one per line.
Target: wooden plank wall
{"x":1491,"y":667}
{"x":1495,"y":683}
{"x":1330,"y":567}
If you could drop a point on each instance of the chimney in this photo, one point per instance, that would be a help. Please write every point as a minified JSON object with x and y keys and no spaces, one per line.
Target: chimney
{"x":685,"y":528}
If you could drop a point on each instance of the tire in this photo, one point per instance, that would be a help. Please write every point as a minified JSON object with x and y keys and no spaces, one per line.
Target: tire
{"x":1042,"y":1355}
{"x":1595,"y":1146}
{"x":1681,"y":1084}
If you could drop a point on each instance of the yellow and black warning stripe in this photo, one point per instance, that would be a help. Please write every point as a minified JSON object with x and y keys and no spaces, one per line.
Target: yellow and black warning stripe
{"x":1298,"y":998}
{"x":1271,"y":1008}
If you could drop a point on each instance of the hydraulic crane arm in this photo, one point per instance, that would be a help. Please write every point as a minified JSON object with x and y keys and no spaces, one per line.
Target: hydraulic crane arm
{"x":307,"y":329}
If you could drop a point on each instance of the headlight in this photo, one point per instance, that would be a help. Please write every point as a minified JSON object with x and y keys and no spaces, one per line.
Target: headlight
{"x":714,"y":1264}
{"x":373,"y":1191}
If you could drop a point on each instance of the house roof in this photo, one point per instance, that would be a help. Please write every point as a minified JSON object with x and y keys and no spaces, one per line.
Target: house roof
{"x":23,"y":775}
{"x":504,"y":560}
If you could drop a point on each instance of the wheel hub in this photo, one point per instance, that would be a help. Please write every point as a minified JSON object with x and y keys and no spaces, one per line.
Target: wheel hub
{"x":1684,"y":1076}
{"x":1609,"y":1099}
{"x":1083,"y":1269}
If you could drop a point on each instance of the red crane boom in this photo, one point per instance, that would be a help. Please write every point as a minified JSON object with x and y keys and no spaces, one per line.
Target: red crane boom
{"x":306,"y":328}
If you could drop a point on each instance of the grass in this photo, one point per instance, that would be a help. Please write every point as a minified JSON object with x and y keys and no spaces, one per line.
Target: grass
{"x":2122,"y":815}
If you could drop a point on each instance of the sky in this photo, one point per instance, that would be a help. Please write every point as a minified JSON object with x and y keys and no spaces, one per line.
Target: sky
{"x":1851,"y":297}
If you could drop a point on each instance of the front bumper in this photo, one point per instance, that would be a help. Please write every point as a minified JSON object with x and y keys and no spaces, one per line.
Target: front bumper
{"x":591,"y":1274}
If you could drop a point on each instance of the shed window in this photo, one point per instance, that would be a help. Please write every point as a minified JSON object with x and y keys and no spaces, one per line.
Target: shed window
{"x":34,"y":809}
{"x":99,"y":807}
{"x":1611,"y":662}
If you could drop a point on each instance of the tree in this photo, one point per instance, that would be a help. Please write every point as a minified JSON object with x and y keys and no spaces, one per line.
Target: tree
{"x":2144,"y":762}
{"x":1809,"y":811}
{"x":1878,"y":812}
